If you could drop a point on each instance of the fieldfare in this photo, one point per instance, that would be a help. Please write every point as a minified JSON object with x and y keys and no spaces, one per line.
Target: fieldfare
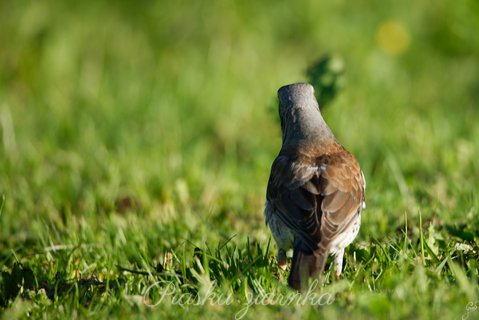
{"x":315,"y":191}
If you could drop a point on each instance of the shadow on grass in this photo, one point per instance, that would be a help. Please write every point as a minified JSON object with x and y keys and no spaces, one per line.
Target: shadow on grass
{"x":21,"y":279}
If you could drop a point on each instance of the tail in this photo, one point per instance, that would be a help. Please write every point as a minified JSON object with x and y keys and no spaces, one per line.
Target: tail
{"x":306,"y":265}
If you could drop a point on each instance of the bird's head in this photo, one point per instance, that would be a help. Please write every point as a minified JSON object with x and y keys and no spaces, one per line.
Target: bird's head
{"x":299,"y":113}
{"x":296,"y":96}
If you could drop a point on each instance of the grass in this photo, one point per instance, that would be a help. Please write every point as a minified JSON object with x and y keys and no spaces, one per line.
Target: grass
{"x":137,"y":138}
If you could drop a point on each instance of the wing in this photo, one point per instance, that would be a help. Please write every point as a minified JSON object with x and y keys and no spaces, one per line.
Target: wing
{"x":342,"y":187}
{"x":316,"y":197}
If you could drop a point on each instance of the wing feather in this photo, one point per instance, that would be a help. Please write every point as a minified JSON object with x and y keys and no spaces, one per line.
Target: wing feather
{"x":316,"y":197}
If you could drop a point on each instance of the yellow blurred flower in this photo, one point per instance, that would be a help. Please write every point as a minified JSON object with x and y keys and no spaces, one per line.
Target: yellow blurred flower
{"x":392,"y":37}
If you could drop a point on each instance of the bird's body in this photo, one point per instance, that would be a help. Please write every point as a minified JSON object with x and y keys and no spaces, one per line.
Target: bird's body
{"x":315,"y":191}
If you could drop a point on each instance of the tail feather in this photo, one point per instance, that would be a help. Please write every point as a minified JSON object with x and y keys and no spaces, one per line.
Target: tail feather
{"x":306,"y":265}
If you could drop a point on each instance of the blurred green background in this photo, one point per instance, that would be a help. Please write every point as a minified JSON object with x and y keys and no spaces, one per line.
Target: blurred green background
{"x":159,"y":118}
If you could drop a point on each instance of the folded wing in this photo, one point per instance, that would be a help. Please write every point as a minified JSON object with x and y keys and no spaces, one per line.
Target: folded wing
{"x":316,"y":197}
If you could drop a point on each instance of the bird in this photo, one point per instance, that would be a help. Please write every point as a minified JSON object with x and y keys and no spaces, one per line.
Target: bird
{"x":316,"y":190}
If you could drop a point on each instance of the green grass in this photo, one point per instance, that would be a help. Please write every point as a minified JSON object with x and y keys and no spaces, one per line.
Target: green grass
{"x":137,"y":138}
